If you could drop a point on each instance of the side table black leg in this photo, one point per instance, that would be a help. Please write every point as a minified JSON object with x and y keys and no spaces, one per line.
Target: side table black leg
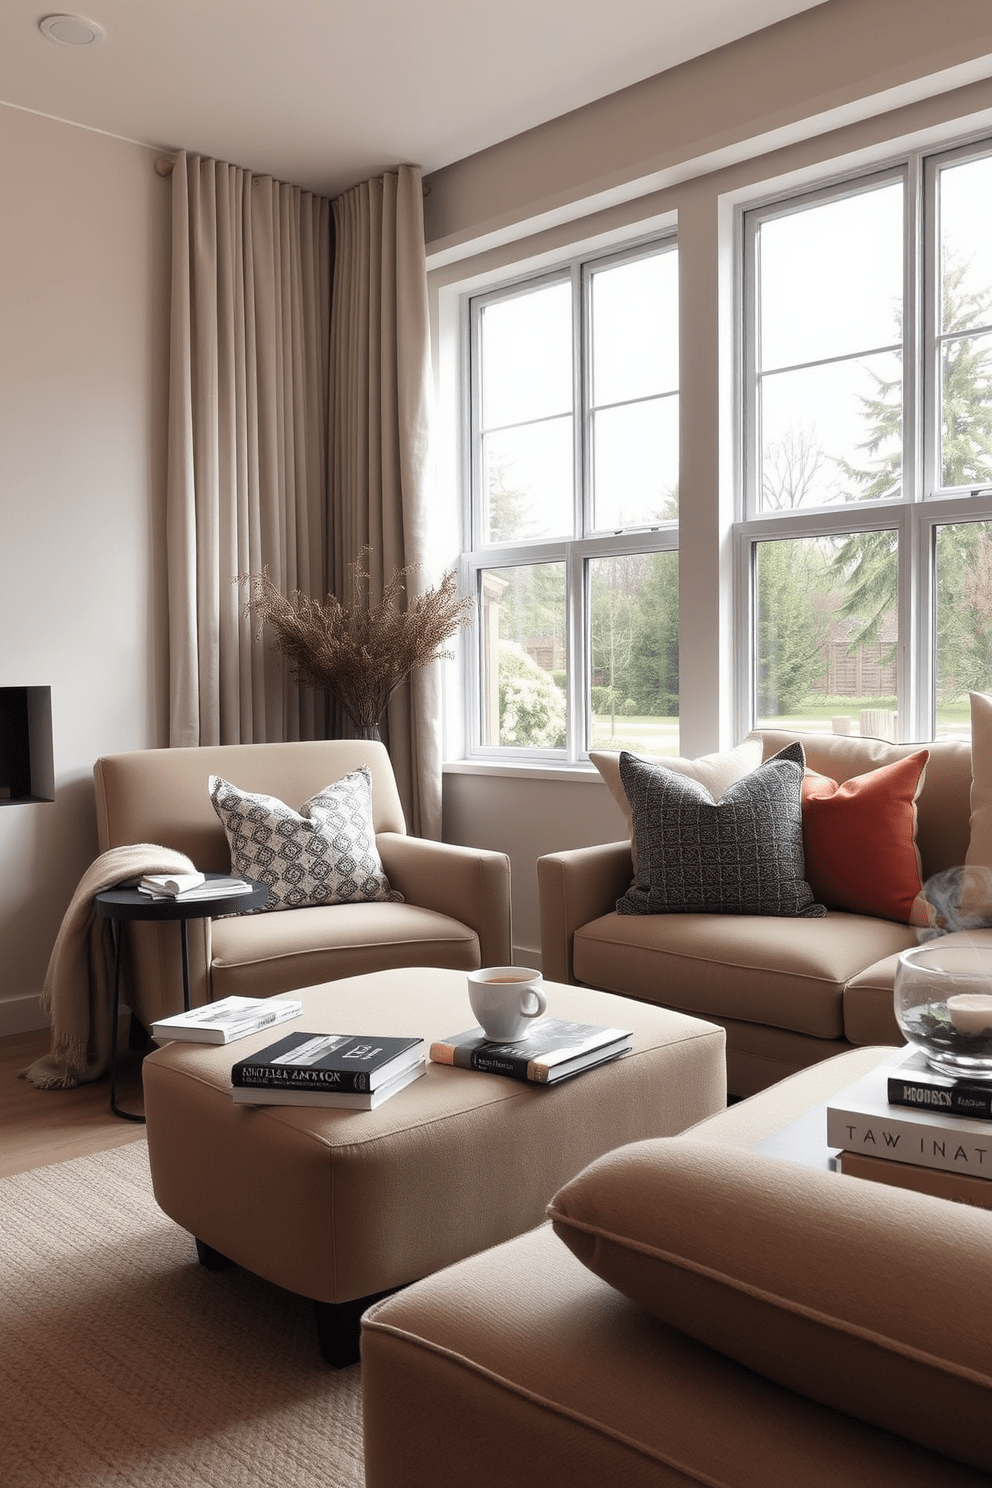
{"x":117,"y":931}
{"x":184,"y":942}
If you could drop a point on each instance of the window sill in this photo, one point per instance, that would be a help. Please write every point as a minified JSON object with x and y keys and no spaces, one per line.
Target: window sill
{"x":581,"y":774}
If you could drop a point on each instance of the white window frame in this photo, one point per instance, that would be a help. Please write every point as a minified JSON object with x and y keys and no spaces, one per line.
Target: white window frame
{"x":574,"y":551}
{"x":923,"y":506}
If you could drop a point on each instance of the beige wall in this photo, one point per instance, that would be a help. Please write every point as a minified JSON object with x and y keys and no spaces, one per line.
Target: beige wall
{"x":83,"y":361}
{"x":829,"y":92}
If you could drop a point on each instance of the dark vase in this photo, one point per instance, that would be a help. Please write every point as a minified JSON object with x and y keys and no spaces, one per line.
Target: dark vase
{"x":367,"y":731}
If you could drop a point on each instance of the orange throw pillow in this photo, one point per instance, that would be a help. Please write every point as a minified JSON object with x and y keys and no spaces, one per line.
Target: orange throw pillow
{"x":859,"y":839}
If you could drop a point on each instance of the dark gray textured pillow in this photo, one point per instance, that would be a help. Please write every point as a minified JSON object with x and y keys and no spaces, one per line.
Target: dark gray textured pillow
{"x":325,"y":853}
{"x":742,"y":854}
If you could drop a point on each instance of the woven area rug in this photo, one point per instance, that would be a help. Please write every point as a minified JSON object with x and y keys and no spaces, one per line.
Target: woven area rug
{"x":123,"y":1362}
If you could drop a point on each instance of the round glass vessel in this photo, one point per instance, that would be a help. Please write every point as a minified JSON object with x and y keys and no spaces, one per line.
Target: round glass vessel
{"x":943,"y":1003}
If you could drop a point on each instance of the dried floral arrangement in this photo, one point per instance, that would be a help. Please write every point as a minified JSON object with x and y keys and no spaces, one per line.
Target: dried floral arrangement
{"x":359,"y":652}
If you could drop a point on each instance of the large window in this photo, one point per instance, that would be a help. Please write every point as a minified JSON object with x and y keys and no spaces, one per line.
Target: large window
{"x":865,"y":553}
{"x":573,"y":434}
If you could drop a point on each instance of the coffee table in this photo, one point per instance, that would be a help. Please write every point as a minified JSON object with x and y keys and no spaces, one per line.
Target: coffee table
{"x":342,"y":1206}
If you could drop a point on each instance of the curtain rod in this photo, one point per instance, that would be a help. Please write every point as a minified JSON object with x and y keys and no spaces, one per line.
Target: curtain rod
{"x":165,"y":165}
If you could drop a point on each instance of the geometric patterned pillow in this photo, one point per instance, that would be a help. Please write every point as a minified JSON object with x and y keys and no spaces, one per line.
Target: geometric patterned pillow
{"x":742,"y":854}
{"x":325,"y":853}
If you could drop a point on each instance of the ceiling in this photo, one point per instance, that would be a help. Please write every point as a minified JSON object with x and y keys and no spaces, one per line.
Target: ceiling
{"x":325,"y":93}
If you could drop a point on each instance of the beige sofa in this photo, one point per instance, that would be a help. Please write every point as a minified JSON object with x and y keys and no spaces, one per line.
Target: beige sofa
{"x":788,"y":992}
{"x":456,"y":909}
{"x":734,"y":1320}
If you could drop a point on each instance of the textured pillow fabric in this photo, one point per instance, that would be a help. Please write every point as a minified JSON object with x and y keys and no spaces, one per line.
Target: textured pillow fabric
{"x":715,"y":771}
{"x":325,"y":853}
{"x":742,"y":854}
{"x":872,"y":1300}
{"x":859,"y":839}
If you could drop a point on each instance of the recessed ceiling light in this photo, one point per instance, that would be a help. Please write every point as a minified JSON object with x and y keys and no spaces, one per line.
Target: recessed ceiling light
{"x":70,"y":30}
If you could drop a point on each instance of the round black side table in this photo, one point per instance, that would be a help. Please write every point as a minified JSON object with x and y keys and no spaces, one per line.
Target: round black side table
{"x":123,"y":902}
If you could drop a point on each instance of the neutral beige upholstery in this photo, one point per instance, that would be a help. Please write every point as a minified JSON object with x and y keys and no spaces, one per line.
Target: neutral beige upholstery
{"x":337,"y":1204}
{"x":457,"y":905}
{"x":787,"y":992}
{"x":522,"y":1367}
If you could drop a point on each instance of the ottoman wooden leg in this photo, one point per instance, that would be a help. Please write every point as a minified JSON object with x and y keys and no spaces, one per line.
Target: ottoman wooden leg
{"x":210,"y":1258}
{"x":339,"y":1328}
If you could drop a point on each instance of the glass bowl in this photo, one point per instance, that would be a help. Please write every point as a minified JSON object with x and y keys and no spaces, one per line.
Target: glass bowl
{"x":943,"y":1002}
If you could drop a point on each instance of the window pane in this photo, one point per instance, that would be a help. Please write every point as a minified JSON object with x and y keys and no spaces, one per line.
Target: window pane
{"x":635,"y":329}
{"x":634,"y":631}
{"x":827,"y":634}
{"x":523,"y":656}
{"x":526,"y":356}
{"x":528,"y":476}
{"x":966,"y":411}
{"x":831,"y":433}
{"x":964,"y":621}
{"x":831,"y":278}
{"x":966,"y":244}
{"x":636,"y":464}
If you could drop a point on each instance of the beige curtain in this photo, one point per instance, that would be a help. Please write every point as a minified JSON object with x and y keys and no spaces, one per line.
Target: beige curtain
{"x":247,"y":457}
{"x":379,"y":438}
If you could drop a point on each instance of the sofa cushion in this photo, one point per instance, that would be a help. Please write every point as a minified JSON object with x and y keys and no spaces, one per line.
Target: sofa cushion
{"x":859,"y":839}
{"x":871,"y":1300}
{"x":325,"y":853}
{"x":740,"y":855}
{"x":715,"y":771}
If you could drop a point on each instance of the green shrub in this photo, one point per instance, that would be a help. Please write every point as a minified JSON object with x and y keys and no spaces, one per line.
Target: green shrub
{"x":531,"y":707}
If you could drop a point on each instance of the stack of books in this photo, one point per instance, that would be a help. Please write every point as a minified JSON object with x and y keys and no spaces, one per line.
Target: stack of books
{"x":224,"y":1021}
{"x":553,"y":1051}
{"x":189,"y":886}
{"x":356,"y":1072}
{"x":910,"y":1126}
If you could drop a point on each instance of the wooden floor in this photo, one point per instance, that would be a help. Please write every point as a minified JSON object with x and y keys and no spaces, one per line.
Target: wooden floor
{"x":48,"y":1126}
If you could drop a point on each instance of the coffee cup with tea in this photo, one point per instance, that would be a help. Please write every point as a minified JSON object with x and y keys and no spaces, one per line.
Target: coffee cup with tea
{"x":506,"y":1000}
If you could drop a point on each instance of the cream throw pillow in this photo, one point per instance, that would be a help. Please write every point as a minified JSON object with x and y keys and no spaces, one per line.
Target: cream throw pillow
{"x":714,"y":771}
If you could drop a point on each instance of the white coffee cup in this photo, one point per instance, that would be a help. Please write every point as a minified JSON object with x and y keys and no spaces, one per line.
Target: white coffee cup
{"x":506,"y":1000}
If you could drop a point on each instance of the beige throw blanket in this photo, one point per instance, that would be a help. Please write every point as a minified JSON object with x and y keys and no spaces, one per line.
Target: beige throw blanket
{"x":79,"y":987}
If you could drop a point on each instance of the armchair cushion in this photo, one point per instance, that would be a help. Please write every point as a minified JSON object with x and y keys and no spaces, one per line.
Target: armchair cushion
{"x":740,"y":855}
{"x":817,"y":1281}
{"x":325,"y":853}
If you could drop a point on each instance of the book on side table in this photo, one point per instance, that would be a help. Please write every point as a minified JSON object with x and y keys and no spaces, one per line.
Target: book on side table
{"x":554,"y":1050}
{"x":328,"y":1069}
{"x":229,"y":1019}
{"x":863,"y":1122}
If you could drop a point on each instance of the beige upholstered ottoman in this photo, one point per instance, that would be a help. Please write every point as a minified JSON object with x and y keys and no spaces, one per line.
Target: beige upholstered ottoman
{"x":342,"y":1206}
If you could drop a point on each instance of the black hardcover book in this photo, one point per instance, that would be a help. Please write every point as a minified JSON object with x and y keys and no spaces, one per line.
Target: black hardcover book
{"x":327,"y":1061}
{"x":916,"y":1084}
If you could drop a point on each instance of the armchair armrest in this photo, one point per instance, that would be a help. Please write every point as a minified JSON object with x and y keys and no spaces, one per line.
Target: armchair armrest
{"x":469,"y":884}
{"x":576,"y":887}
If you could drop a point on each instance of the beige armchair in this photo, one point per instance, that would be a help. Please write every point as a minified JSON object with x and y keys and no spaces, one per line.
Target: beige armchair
{"x":456,"y":909}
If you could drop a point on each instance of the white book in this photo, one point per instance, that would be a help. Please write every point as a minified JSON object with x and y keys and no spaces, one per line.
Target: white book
{"x":227,"y":1020}
{"x":254,"y":1095}
{"x":207,"y":888}
{"x":860,"y":1119}
{"x":170,"y":884}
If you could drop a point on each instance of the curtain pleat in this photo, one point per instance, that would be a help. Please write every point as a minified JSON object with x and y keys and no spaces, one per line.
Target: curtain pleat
{"x":380,"y":403}
{"x":247,"y":476}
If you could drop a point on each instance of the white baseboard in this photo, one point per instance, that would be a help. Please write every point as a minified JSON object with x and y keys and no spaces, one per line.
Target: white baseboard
{"x":21,"y":1014}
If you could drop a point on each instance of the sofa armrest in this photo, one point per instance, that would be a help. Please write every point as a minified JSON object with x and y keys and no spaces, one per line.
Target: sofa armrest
{"x":576,"y":887}
{"x":470,"y":884}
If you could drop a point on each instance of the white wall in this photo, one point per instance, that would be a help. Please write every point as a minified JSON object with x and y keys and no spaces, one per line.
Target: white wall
{"x":829,"y":92}
{"x":84,"y":266}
